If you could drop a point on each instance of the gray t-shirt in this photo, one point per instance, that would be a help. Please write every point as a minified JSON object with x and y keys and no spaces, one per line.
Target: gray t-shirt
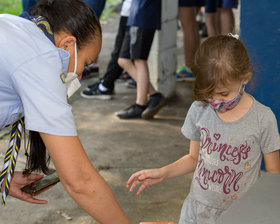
{"x":230,"y":152}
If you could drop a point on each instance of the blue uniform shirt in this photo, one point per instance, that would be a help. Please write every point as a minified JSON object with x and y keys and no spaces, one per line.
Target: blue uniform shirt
{"x":30,"y":83}
{"x":145,"y":14}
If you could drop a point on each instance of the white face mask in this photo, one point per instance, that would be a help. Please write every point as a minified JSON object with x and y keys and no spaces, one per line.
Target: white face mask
{"x":71,"y":80}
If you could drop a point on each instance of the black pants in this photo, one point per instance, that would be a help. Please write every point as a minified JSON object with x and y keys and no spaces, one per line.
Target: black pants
{"x":113,"y":69}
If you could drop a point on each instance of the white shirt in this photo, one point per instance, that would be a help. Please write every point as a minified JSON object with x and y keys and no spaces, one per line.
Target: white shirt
{"x":125,"y":11}
{"x":30,"y":83}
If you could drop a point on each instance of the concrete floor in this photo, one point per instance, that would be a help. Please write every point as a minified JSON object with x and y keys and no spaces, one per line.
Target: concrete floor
{"x":118,"y":148}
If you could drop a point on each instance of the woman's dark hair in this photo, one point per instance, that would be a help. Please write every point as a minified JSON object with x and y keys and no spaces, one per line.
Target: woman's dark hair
{"x":78,"y":19}
{"x":73,"y":16}
{"x":37,"y":158}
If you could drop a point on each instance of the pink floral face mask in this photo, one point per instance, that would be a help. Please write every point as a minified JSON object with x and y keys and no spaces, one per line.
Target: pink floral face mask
{"x":223,"y":106}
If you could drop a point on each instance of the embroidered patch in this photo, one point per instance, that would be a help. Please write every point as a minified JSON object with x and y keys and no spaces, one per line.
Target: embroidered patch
{"x":62,"y":77}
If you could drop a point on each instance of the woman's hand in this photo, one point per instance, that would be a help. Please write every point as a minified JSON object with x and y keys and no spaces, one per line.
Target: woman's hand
{"x":19,"y":180}
{"x":146,"y":178}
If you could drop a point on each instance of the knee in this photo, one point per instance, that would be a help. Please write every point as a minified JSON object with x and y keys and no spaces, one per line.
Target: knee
{"x":122,"y":62}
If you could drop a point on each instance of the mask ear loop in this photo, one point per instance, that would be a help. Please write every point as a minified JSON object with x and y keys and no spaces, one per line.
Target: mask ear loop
{"x":242,"y":86}
{"x":75,"y":68}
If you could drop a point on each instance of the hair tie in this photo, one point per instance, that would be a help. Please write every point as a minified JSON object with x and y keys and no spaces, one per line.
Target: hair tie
{"x":236,"y":36}
{"x":50,"y":2}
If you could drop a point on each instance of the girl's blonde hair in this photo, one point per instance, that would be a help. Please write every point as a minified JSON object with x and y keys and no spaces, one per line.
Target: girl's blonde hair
{"x":219,"y":60}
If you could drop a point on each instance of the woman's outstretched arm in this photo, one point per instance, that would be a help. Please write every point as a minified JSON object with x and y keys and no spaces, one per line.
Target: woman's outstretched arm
{"x":82,"y":181}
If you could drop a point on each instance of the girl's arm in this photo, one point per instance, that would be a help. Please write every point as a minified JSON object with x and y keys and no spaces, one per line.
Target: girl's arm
{"x":185,"y":165}
{"x":272,"y":162}
{"x":82,"y":181}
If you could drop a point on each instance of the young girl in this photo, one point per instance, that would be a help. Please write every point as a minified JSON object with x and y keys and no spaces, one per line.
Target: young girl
{"x":42,"y":58}
{"x":229,"y":131}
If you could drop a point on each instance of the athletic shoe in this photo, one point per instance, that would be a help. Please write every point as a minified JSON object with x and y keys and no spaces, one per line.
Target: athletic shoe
{"x":134,"y":111}
{"x":183,"y":75}
{"x":124,"y":77}
{"x":92,"y":86}
{"x":96,"y":93}
{"x":90,"y":71}
{"x":155,"y":103}
{"x":130,"y":84}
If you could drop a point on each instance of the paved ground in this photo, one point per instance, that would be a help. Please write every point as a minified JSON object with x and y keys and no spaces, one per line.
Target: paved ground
{"x":118,"y":148}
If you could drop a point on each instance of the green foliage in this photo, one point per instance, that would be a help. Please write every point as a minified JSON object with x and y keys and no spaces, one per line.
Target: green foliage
{"x":109,"y":9}
{"x":10,"y":6}
{"x":15,"y":7}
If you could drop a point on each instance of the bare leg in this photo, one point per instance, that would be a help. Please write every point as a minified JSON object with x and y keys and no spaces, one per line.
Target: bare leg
{"x":132,"y":70}
{"x":226,"y":21}
{"x":187,"y":16}
{"x":128,"y":66}
{"x":212,"y":24}
{"x":142,"y":81}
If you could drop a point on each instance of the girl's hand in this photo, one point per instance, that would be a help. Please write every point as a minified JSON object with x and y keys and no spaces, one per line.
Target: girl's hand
{"x":18,"y":181}
{"x":146,"y":178}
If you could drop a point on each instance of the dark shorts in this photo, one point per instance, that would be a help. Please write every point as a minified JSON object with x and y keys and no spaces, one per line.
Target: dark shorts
{"x":228,"y":4}
{"x":137,"y":43}
{"x":212,"y":5}
{"x":191,"y":3}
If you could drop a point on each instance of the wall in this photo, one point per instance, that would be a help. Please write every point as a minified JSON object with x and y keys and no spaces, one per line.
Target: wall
{"x":260,"y":32}
{"x":162,"y":60}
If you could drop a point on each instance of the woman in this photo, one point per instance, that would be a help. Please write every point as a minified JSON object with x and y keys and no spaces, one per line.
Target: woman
{"x":39,"y":69}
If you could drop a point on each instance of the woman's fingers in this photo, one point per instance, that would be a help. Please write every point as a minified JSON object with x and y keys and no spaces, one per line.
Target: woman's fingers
{"x":30,"y":199}
{"x":34,"y":177}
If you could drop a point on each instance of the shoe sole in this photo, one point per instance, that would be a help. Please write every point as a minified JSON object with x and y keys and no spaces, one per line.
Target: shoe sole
{"x":186,"y":80}
{"x":98,"y":97}
{"x":150,"y":114}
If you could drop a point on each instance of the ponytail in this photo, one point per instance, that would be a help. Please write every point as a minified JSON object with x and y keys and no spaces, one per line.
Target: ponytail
{"x":37,"y":158}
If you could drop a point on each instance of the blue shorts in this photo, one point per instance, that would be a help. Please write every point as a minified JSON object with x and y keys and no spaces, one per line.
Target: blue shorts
{"x":191,"y":3}
{"x":228,"y":4}
{"x":212,"y":5}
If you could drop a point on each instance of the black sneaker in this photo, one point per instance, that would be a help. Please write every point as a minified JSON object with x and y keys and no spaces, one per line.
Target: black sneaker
{"x":91,"y":86}
{"x":155,"y":103}
{"x":96,"y":93}
{"x":90,"y":71}
{"x":134,"y":111}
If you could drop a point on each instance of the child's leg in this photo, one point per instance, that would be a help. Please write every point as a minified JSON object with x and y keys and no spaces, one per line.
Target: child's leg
{"x":130,"y":68}
{"x":212,"y":17}
{"x":227,"y":22}
{"x":187,"y":16}
{"x":143,"y":82}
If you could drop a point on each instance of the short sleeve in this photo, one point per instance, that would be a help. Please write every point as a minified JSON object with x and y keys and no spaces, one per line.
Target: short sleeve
{"x":43,"y":96}
{"x":269,"y":136}
{"x":190,"y":130}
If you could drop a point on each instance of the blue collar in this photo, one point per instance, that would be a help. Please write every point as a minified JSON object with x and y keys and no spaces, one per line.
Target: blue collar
{"x":45,"y":27}
{"x":41,"y":23}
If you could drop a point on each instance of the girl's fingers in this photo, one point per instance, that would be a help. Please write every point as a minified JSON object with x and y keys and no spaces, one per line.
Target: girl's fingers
{"x":141,"y":188}
{"x":134,"y":184}
{"x":133,"y":178}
